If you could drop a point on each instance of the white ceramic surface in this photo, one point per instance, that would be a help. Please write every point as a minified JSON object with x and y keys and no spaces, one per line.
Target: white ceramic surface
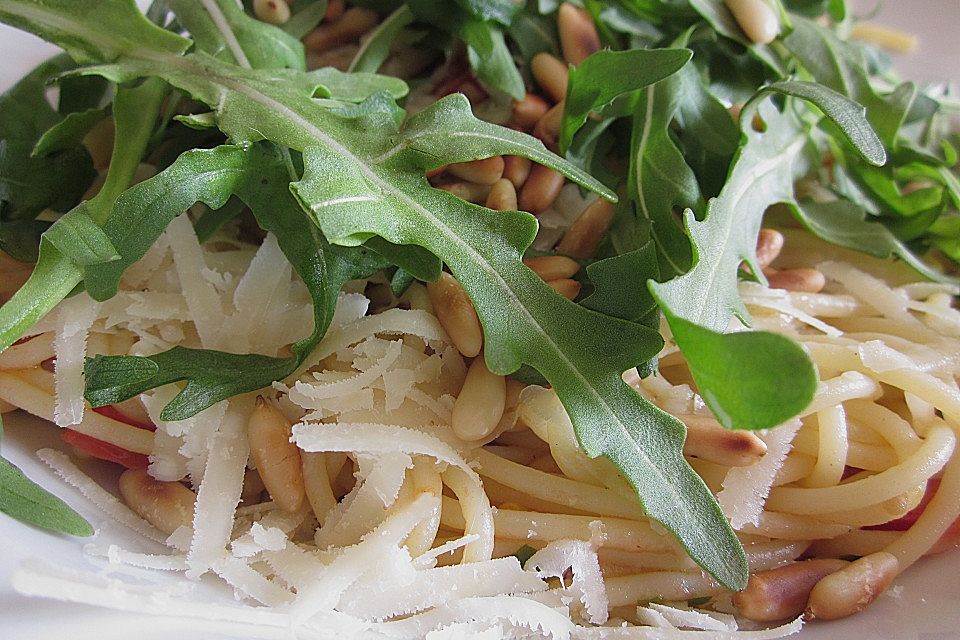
{"x":924,"y":604}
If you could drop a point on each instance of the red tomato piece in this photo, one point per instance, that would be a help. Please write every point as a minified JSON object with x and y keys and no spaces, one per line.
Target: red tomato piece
{"x":111,"y":411}
{"x":105,"y":450}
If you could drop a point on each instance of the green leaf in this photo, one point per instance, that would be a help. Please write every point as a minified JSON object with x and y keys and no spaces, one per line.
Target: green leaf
{"x":846,"y":114}
{"x":707,"y":295}
{"x":846,"y":224}
{"x":358,"y":86}
{"x":81,"y":240}
{"x":834,"y":63}
{"x":92,"y":32}
{"x":605,"y":75}
{"x":258,"y":176}
{"x":306,"y":19}
{"x":620,"y":284}
{"x":738,"y":378}
{"x":495,"y":68}
{"x":28,"y":502}
{"x":376,"y":47}
{"x":69,"y":132}
{"x":20,"y":239}
{"x":222,"y":29}
{"x":30,"y":184}
{"x":502,"y":11}
{"x":358,"y":185}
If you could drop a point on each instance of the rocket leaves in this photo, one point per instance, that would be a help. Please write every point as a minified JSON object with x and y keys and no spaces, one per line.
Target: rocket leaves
{"x":363,"y":177}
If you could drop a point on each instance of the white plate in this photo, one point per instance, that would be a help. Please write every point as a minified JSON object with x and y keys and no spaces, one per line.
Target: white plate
{"x":924,"y":604}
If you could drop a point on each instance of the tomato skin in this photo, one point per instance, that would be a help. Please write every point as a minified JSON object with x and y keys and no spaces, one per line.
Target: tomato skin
{"x":106,"y":451}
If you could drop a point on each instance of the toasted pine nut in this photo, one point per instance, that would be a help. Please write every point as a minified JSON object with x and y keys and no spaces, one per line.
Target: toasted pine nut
{"x":551,"y":75}
{"x":502,"y":196}
{"x":566,"y":287}
{"x":801,"y":280}
{"x":355,"y":22}
{"x":469,"y":191}
{"x":757,"y":19}
{"x":584,"y":235}
{"x":6,"y":407}
{"x":516,"y":169}
{"x":486,"y":171}
{"x":165,"y":505}
{"x":252,"y":485}
{"x":271,"y":11}
{"x":455,"y":312}
{"x":277,"y":459}
{"x":526,"y":112}
{"x":552,"y":267}
{"x":335,"y":9}
{"x":479,"y":407}
{"x":708,"y":440}
{"x":851,"y":589}
{"x":578,"y":34}
{"x":782,"y":593}
{"x":769,"y":245}
{"x":541,"y":189}
{"x":547,"y":128}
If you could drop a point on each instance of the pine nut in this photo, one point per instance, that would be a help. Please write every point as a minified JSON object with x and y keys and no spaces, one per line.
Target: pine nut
{"x":469,"y":191}
{"x":271,"y":11}
{"x":6,"y":407}
{"x":277,"y":459}
{"x":516,"y":169}
{"x":783,"y":592}
{"x":502,"y":196}
{"x":769,"y":245}
{"x":851,"y":589}
{"x":584,"y":235}
{"x":566,"y":287}
{"x":165,"y":505}
{"x":526,"y":112}
{"x":540,"y":190}
{"x":553,"y":267}
{"x":547,"y":128}
{"x":801,"y":280}
{"x":578,"y":34}
{"x":480,"y":405}
{"x":335,"y":9}
{"x":352,"y":24}
{"x":708,"y":440}
{"x":551,"y":75}
{"x":486,"y":171}
{"x":456,"y":314}
{"x":757,"y":19}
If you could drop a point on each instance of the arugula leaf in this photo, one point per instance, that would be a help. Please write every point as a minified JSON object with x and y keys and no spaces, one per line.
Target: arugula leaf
{"x":56,"y":275}
{"x":222,"y":29}
{"x":605,"y":75}
{"x":30,"y":184}
{"x":502,"y":11}
{"x":494,"y":64}
{"x":358,"y":185}
{"x":69,"y":132}
{"x":846,"y":224}
{"x":702,"y":301}
{"x":376,"y":47}
{"x":23,"y":499}
{"x":358,"y":86}
{"x":846,"y":114}
{"x":259,"y":177}
{"x":306,"y":17}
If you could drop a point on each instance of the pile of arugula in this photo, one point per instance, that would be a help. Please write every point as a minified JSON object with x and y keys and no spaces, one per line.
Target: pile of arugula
{"x":333,"y":166}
